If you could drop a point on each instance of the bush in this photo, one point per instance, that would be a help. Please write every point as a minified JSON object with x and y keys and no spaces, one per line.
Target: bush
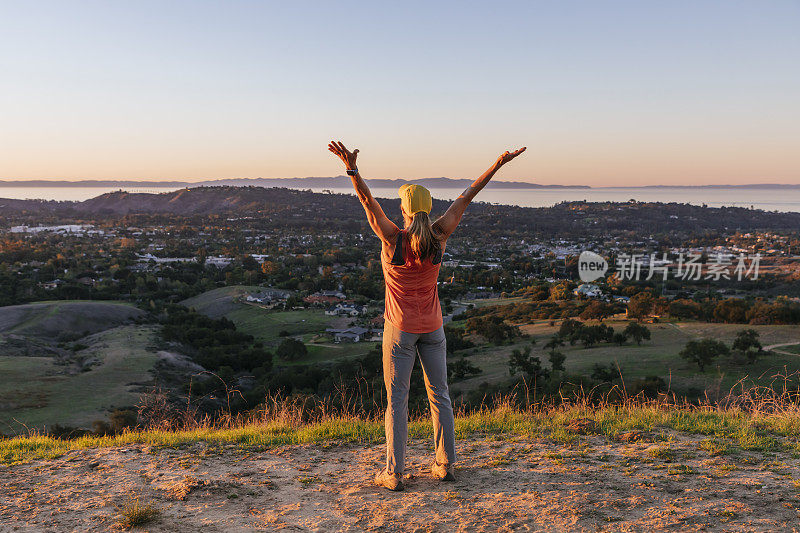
{"x":291,"y":349}
{"x":461,"y":369}
{"x":703,"y":351}
{"x":649,"y":386}
{"x":747,"y":344}
{"x":637,"y":332}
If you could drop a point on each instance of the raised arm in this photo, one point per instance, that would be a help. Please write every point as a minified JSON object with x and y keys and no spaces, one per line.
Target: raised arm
{"x":448,"y":222}
{"x":380,"y":223}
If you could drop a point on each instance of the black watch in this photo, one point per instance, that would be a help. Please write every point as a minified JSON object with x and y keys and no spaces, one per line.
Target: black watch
{"x":352,"y":172}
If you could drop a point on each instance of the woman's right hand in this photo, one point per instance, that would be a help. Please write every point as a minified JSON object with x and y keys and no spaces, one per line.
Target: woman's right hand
{"x":347,"y":157}
{"x":507,"y":156}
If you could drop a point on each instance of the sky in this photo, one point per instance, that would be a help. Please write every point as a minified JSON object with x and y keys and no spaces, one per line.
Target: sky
{"x":602,"y":93}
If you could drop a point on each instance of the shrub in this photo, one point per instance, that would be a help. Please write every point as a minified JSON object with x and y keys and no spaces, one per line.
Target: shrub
{"x":747,"y":344}
{"x":703,"y":351}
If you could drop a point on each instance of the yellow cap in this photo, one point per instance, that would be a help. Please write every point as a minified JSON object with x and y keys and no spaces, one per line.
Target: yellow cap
{"x":415,"y":198}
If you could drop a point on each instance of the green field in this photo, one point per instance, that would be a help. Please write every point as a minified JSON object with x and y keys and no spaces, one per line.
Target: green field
{"x":35,"y":391}
{"x":43,"y":380}
{"x":266,"y":324}
{"x":217,"y":303}
{"x":658,"y":357}
{"x":485,"y":302}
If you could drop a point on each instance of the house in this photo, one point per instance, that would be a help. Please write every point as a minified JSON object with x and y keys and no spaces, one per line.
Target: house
{"x":51,"y":285}
{"x":588,"y":290}
{"x":347,"y":336}
{"x":346,"y":309}
{"x":218,"y":261}
{"x":325,"y":297}
{"x":268,"y":297}
{"x":354,"y":334}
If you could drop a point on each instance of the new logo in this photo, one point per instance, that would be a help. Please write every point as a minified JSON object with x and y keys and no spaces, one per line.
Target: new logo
{"x":591,"y":266}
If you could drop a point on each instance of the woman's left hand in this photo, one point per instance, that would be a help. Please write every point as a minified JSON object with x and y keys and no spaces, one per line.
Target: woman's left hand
{"x":347,"y":157}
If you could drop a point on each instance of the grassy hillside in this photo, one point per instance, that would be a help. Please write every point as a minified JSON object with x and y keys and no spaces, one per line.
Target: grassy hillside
{"x":217,"y":303}
{"x":266,"y":325}
{"x":39,"y":391}
{"x":658,"y":357}
{"x":50,"y":320}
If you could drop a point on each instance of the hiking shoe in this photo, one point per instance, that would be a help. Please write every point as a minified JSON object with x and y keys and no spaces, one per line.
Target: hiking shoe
{"x":389,"y":481}
{"x":443,"y":472}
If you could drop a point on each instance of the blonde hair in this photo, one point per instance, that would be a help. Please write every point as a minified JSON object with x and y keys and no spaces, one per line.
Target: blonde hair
{"x":424,"y":240}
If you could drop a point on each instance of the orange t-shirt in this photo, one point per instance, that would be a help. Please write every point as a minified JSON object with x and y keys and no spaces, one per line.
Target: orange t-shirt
{"x":412,"y":298}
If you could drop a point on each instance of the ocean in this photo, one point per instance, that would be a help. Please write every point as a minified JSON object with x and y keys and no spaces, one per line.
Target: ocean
{"x":767,"y":199}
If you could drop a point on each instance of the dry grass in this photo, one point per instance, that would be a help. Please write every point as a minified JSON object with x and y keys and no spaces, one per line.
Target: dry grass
{"x":134,"y":513}
{"x":760,"y":420}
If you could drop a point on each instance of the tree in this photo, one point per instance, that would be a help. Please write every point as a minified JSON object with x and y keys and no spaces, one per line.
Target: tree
{"x":455,"y":339}
{"x":619,"y":339}
{"x":462,"y":368}
{"x":569,"y":328}
{"x":604,"y":373}
{"x":597,"y":310}
{"x":538,"y":293}
{"x":649,"y":386}
{"x":202,"y":255}
{"x":529,"y":365}
{"x":493,"y":328}
{"x":640,"y":305}
{"x":637,"y":332}
{"x":561,"y":291}
{"x":703,"y":351}
{"x":270,"y":267}
{"x":557,"y":360}
{"x":747,"y":344}
{"x":731,"y":311}
{"x":291,"y":349}
{"x":554,"y":342}
{"x":589,"y":336}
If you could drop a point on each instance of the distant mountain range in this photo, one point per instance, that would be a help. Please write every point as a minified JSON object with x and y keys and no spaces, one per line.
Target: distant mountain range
{"x":338,"y":182}
{"x":303,"y":210}
{"x":293,"y":183}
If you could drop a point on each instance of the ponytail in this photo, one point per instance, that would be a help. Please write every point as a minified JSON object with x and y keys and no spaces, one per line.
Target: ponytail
{"x":424,"y":241}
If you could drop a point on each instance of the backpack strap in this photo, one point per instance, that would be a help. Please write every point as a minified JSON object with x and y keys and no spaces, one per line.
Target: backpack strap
{"x":397,"y":258}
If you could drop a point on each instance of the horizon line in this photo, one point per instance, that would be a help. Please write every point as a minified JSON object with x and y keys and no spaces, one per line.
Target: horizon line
{"x":60,"y":182}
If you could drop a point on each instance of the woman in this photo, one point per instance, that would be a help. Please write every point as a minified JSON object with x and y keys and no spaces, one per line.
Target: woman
{"x":410,"y":258}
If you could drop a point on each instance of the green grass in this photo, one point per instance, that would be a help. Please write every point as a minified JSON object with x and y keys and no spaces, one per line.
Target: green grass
{"x":658,"y":357}
{"x":485,"y":302}
{"x":35,"y":391}
{"x":49,"y":320}
{"x":266,"y":325}
{"x":736,"y":430}
{"x":217,"y":303}
{"x":795,"y":348}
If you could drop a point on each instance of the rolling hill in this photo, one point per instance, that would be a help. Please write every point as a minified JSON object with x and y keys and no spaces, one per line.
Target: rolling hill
{"x":283,"y":207}
{"x":55,"y":320}
{"x":69,"y":362}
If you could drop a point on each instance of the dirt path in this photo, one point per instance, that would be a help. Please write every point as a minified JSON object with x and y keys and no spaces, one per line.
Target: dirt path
{"x":772,"y":348}
{"x":509,"y":484}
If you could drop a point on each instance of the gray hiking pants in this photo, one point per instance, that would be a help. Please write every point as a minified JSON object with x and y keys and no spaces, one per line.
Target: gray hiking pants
{"x":399,"y":352}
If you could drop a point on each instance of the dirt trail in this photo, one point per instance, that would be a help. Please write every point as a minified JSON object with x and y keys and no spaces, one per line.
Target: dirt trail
{"x":508,"y":484}
{"x":773,"y":348}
